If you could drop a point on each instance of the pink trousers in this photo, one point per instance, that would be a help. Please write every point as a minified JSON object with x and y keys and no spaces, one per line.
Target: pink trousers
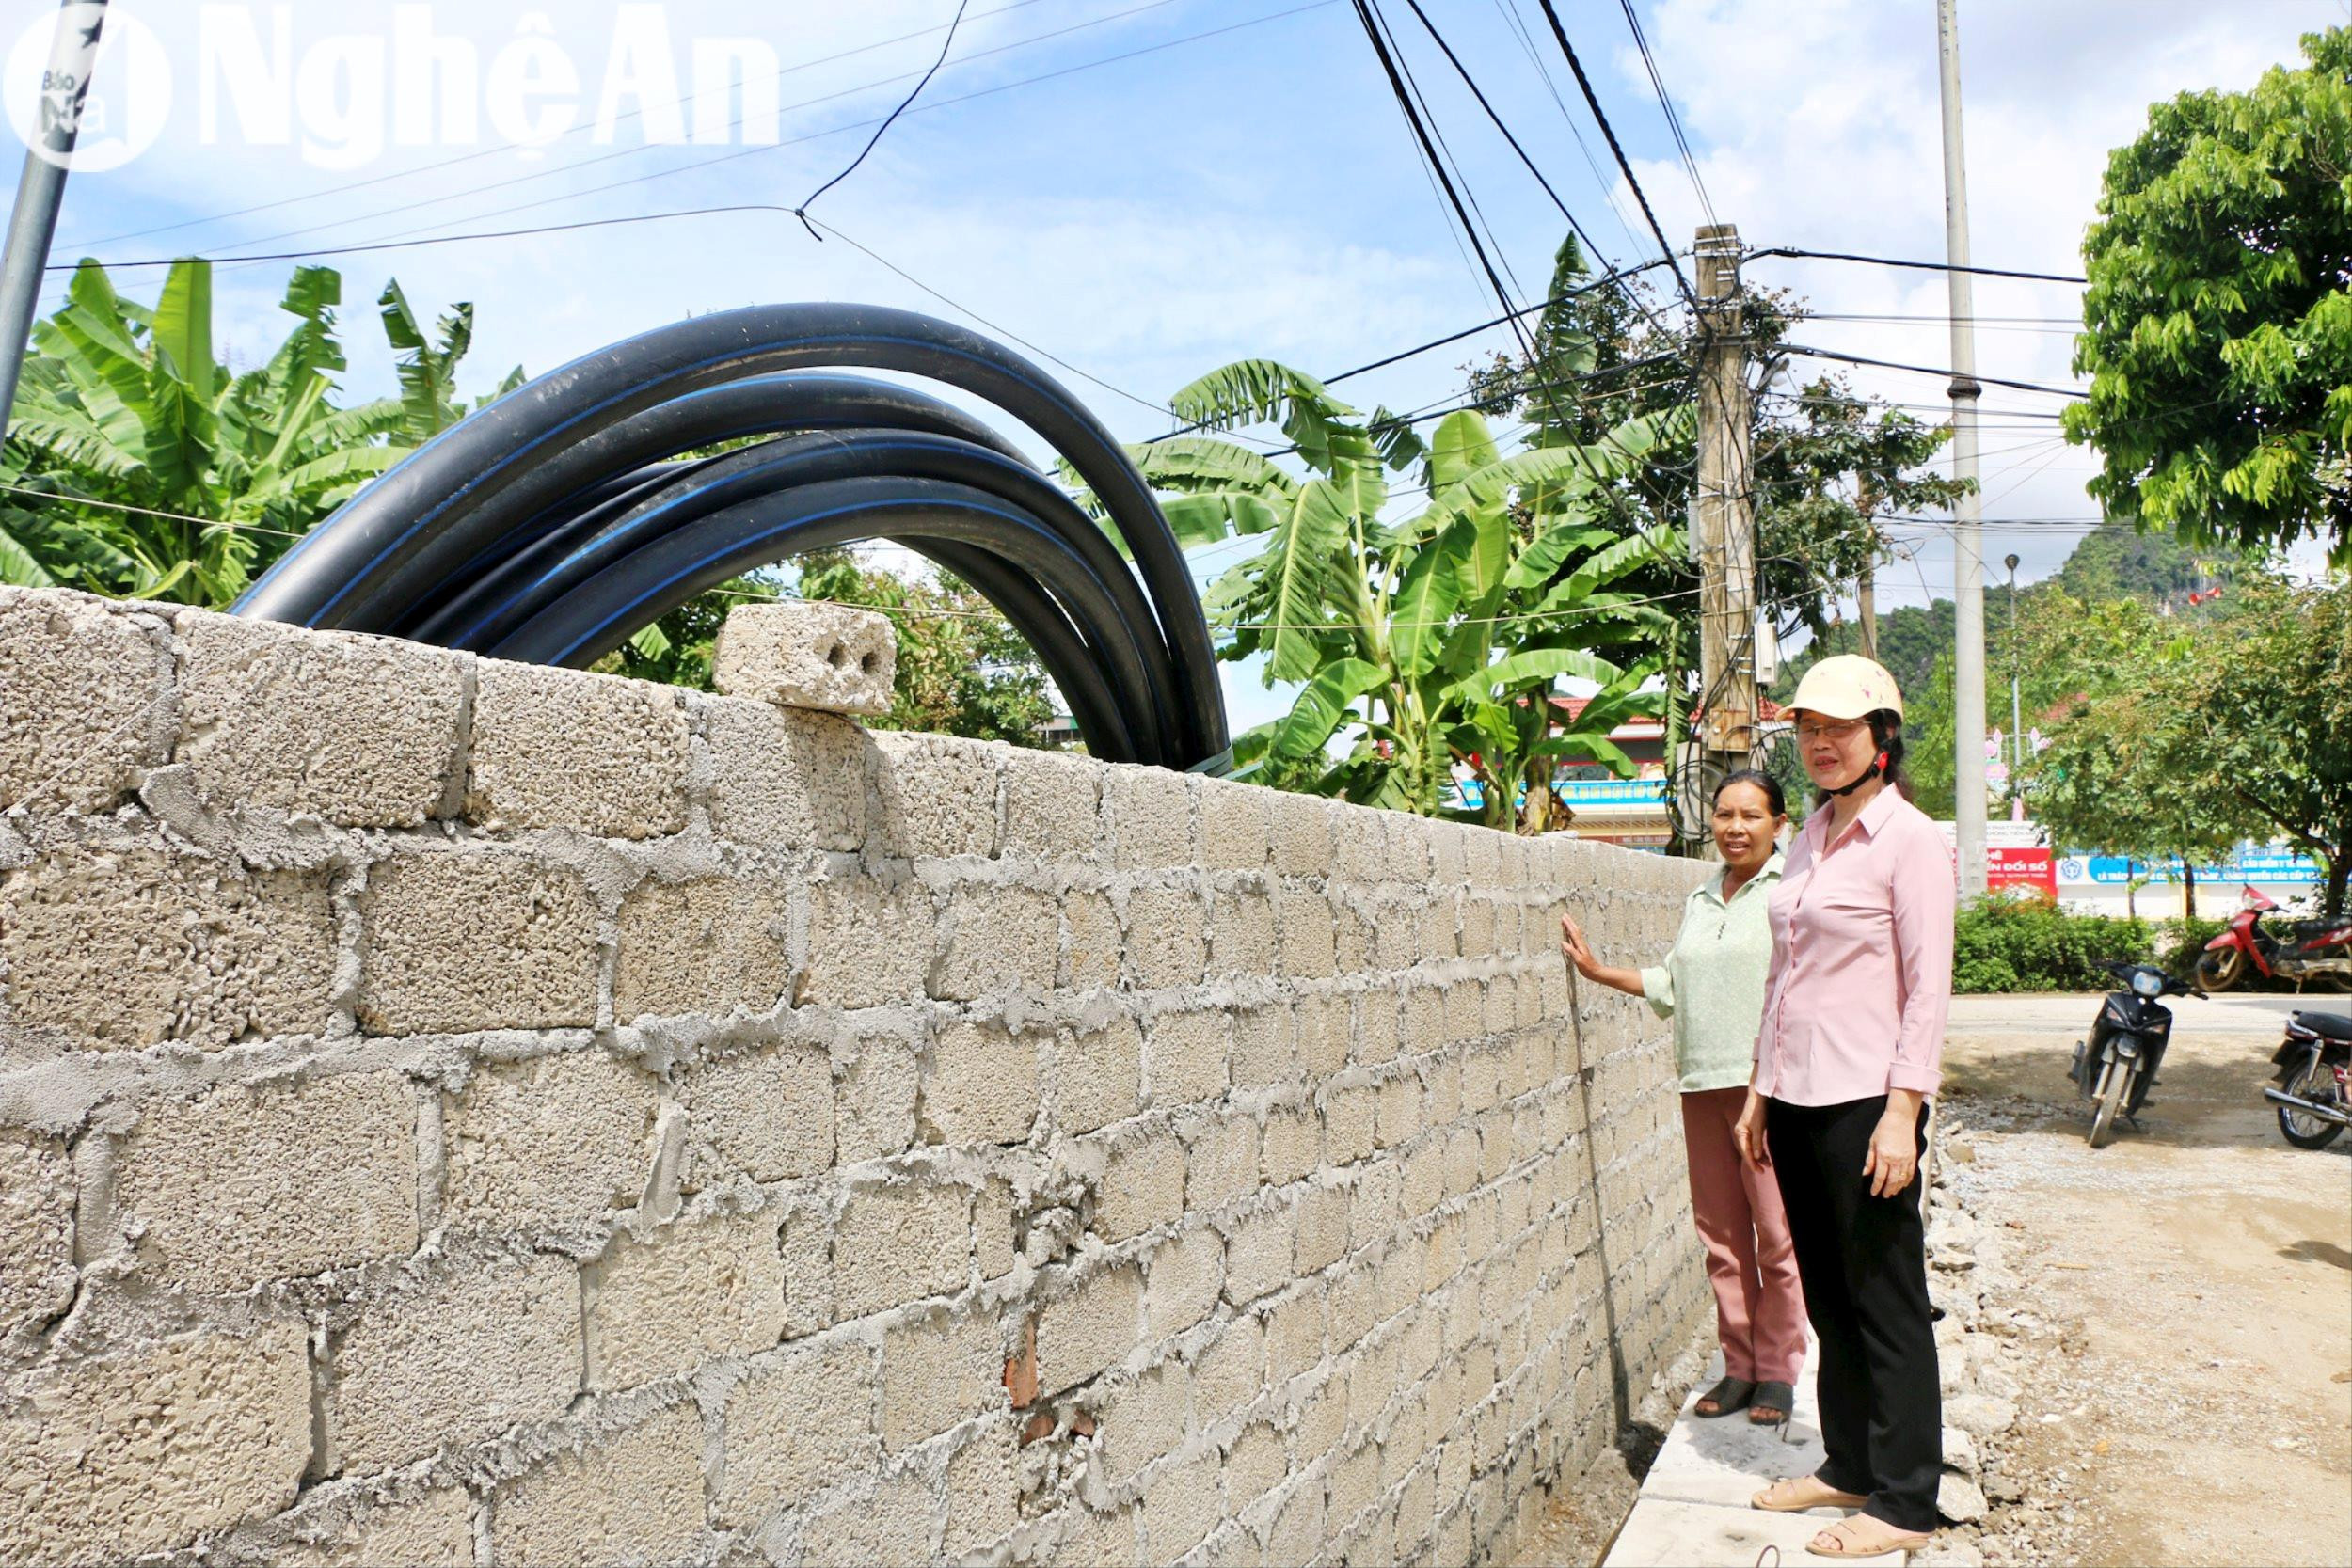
{"x":1759,"y":1306}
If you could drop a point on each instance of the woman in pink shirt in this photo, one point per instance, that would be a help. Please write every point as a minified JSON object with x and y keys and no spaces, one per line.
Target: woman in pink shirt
{"x":1846,"y":1058}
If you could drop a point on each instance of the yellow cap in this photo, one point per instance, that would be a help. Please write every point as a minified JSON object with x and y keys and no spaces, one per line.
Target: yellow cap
{"x":1847,"y":686}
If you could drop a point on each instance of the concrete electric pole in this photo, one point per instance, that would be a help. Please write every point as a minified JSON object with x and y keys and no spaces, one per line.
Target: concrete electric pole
{"x":1967,"y":514}
{"x":42,"y":191}
{"x":1722,"y":517}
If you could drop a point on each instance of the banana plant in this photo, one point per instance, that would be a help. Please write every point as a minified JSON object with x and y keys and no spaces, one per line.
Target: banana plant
{"x":1435,"y":639}
{"x":200,"y":477}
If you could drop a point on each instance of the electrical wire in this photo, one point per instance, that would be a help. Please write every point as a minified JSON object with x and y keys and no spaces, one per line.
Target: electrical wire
{"x":704,"y":164}
{"x":1608,"y":133}
{"x":1930,"y":369}
{"x":1665,"y":101}
{"x":1922,"y":266}
{"x":949,"y":42}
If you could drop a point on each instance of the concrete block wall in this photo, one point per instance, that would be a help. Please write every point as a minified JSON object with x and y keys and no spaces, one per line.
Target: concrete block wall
{"x":455,"y":1112}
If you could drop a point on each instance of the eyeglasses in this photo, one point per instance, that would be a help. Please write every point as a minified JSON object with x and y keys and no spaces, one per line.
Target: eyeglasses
{"x":1839,"y":732}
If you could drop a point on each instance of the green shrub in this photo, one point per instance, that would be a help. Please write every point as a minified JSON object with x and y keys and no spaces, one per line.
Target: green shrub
{"x":2031,"y":945}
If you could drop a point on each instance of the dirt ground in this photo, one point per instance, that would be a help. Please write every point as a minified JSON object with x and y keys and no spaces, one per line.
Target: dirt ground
{"x":2190,"y":1399}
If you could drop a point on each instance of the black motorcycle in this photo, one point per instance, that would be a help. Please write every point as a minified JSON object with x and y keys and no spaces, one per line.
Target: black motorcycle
{"x":2313,"y":1062}
{"x":2117,"y":1067}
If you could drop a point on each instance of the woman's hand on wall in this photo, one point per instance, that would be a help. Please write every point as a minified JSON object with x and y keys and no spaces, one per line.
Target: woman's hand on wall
{"x":1579,"y":951}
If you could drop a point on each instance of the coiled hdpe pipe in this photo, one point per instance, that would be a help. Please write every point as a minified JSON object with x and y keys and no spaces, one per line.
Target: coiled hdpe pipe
{"x":561,"y":520}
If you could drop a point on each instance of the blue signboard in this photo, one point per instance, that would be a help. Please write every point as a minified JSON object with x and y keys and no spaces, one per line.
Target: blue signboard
{"x":2247,"y":866}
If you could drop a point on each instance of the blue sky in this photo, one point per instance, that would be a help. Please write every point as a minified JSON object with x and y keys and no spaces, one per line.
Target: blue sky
{"x":1242,"y":185}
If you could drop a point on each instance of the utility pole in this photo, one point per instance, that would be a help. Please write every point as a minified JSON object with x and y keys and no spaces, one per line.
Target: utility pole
{"x":1967,"y":512}
{"x":1723,"y":531}
{"x":33,"y":226}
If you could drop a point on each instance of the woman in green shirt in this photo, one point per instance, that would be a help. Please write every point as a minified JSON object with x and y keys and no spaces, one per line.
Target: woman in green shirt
{"x":1712,"y":986}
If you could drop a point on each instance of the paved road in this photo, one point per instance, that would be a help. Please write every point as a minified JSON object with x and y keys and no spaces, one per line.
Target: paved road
{"x":2042,"y":1012}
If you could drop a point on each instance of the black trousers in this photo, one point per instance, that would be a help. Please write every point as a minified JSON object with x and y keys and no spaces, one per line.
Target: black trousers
{"x":1863,"y":1260}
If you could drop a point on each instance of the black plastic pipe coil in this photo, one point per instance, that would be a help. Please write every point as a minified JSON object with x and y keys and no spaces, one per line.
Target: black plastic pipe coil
{"x":555,"y":524}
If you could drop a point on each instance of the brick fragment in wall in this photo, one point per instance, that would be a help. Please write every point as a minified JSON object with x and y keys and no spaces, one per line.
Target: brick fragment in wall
{"x":1229,"y":1373}
{"x":893,"y":1522}
{"x":1292,"y":1145}
{"x":1361,"y":845}
{"x":1167,"y":937}
{"x":1221,"y":1161}
{"x":1376,"y":1026}
{"x":361,"y":731}
{"x":1297,"y":1528}
{"x":878,"y":1086}
{"x":1294,"y":1334}
{"x":1091,"y":1327}
{"x":1053,"y":806}
{"x":1092,"y":942}
{"x":765,"y":1114}
{"x":146,"y":1452}
{"x":869,"y":942}
{"x":997,"y":939}
{"x":636,"y":1497}
{"x":1263,"y":1046}
{"x":983,"y":1491}
{"x":1255,"y":1462}
{"x":1323,"y":1034}
{"x":828,"y":658}
{"x":900,"y":1243}
{"x":707,"y":945}
{"x":1148,"y":814}
{"x":934,"y":796}
{"x":1323,"y":1216}
{"x":1307,"y":928}
{"x":1183,"y":1276}
{"x":460,"y":1359}
{"x":683,"y":1295}
{"x":85,"y":701}
{"x":994,"y":1227}
{"x":1241,"y":933}
{"x":432,"y":1529}
{"x":564,"y":749}
{"x":243,"y":1184}
{"x":455,"y":942}
{"x":119,"y":948}
{"x":781,"y":779}
{"x":1185,"y":1055}
{"x":936,"y":1370}
{"x":1143,"y":1186}
{"x":1235,"y":825}
{"x":1299,"y":829}
{"x":1257,"y":1252}
{"x":37,"y":1196}
{"x":1144,"y":1419}
{"x":980,"y":1085}
{"x":552,"y":1141}
{"x":1098,"y":1074}
{"x":778,"y":1453}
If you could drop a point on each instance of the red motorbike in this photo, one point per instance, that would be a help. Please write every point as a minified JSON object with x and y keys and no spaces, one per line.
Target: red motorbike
{"x":2309,"y":949}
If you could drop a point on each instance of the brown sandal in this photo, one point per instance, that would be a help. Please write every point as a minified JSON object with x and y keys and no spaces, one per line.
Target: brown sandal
{"x":1798,"y":1494}
{"x":1845,"y":1540}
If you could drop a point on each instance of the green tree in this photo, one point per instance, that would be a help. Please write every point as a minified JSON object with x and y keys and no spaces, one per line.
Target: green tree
{"x":2218,"y":332}
{"x":1435,"y":639}
{"x":2190,"y":734}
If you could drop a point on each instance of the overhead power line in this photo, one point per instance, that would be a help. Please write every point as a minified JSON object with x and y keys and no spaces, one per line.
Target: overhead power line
{"x":1592,"y":102}
{"x":707,"y":164}
{"x":1582,"y":233}
{"x":949,"y":42}
{"x":1929,"y":370}
{"x":1921,"y":266}
{"x":1667,"y":103}
{"x":585,"y":127}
